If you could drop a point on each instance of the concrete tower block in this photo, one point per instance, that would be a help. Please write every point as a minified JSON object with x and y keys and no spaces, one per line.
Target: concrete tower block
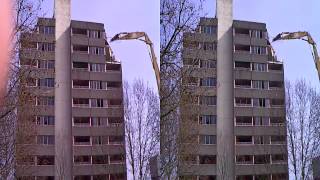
{"x":225,"y":92}
{"x":63,"y":98}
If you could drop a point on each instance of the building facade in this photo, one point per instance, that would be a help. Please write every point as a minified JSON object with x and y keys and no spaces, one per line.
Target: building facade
{"x":259,"y":104}
{"x":97,"y":109}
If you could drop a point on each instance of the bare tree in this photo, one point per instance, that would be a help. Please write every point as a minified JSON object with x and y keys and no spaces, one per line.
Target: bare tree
{"x":303,"y":123}
{"x":25,"y":13}
{"x":141,"y":113}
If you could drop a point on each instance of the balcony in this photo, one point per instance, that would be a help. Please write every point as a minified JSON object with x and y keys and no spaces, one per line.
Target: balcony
{"x":243,"y":102}
{"x":246,"y":66}
{"x":80,"y":84}
{"x":243,"y":83}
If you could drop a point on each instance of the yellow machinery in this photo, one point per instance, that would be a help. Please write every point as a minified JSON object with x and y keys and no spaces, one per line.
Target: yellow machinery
{"x":303,"y":35}
{"x":142,"y":36}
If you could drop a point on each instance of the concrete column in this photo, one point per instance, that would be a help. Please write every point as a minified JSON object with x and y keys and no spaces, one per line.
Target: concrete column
{"x":63,"y":98}
{"x":225,"y":92}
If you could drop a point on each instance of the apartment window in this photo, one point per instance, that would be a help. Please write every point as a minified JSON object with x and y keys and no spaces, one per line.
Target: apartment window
{"x":45,"y":101}
{"x":242,"y":101}
{"x":83,"y":177}
{"x":97,"y":67}
{"x":208,"y":100}
{"x":261,"y":50}
{"x":207,"y":46}
{"x":262,"y":159}
{"x":113,"y":67}
{"x":191,"y":62}
{"x":278,"y":139}
{"x":275,"y":67}
{"x":99,"y":140}
{"x":277,"y":121}
{"x":99,"y":121}
{"x":239,"y":48}
{"x":97,"y":103}
{"x":278,"y":158}
{"x":207,"y":29}
{"x":277,"y":102}
{"x":46,"y":64}
{"x":207,"y":159}
{"x":96,"y":85}
{"x":262,"y":177}
{"x":45,"y":120}
{"x":244,"y":121}
{"x":208,"y":64}
{"x":258,"y":34}
{"x":242,"y":65}
{"x":43,"y":46}
{"x":47,"y":30}
{"x":100,"y":177}
{"x":276,"y":84}
{"x":260,"y":102}
{"x":261,"y":121}
{"x":208,"y":139}
{"x":80,"y":31}
{"x":208,"y":119}
{"x":244,"y":177}
{"x":116,"y":159}
{"x":209,"y":81}
{"x":261,"y":67}
{"x":81,"y":121}
{"x":116,"y":140}
{"x":261,"y":140}
{"x":80,"y":102}
{"x":114,"y":121}
{"x":244,"y":159}
{"x":113,"y":84}
{"x":80,"y":83}
{"x":243,"y":83}
{"x":244,"y":139}
{"x":95,"y":34}
{"x":102,"y":159}
{"x":47,"y":82}
{"x":45,"y":160}
{"x":242,"y":31}
{"x":81,"y":140}
{"x":97,"y":50}
{"x":80,"y":66}
{"x":257,"y":84}
{"x":45,"y":139}
{"x":80,"y":48}
{"x":82,"y":160}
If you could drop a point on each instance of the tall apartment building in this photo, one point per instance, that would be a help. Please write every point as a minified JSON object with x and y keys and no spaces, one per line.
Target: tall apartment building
{"x":97,"y":110}
{"x":259,"y":104}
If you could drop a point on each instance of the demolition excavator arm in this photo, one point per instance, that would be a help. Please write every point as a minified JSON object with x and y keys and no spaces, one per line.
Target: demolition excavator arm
{"x":142,"y":36}
{"x":303,"y":35}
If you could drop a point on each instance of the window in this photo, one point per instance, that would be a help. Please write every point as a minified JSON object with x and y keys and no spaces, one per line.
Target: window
{"x":97,"y":50}
{"x":113,"y":84}
{"x":79,"y":31}
{"x":261,"y":67}
{"x":244,"y":177}
{"x":96,"y":103}
{"x":100,"y":177}
{"x":260,"y":84}
{"x":208,"y":100}
{"x":244,"y":159}
{"x":45,"y":120}
{"x":102,"y":159}
{"x":80,"y":48}
{"x":262,"y":177}
{"x":207,"y":46}
{"x":45,"y":160}
{"x":96,"y":85}
{"x":261,"y":159}
{"x":208,"y":119}
{"x":114,"y":103}
{"x":260,"y":102}
{"x":207,"y":29}
{"x":117,"y":159}
{"x":242,"y":65}
{"x":276,"y":84}
{"x":239,"y":48}
{"x":83,"y":177}
{"x":27,"y":45}
{"x":242,"y":101}
{"x":261,"y":121}
{"x":261,"y":50}
{"x":244,"y":121}
{"x":207,"y":159}
{"x":80,"y":102}
{"x":209,"y":81}
{"x":191,"y":62}
{"x":275,"y":67}
{"x":113,"y":67}
{"x":95,"y":34}
{"x":99,"y":121}
{"x":278,"y":158}
{"x":190,"y":81}
{"x":97,"y":67}
{"x":242,"y":31}
{"x":99,"y":140}
{"x":47,"y":30}
{"x":261,"y":140}
{"x":47,"y":82}
{"x":82,"y":160}
{"x":46,"y":64}
{"x":43,"y":46}
{"x":31,"y":82}
{"x":278,"y":140}
{"x":244,"y":139}
{"x":81,"y":121}
{"x":116,"y":140}
{"x":208,"y":139}
{"x":45,"y":101}
{"x":80,"y":66}
{"x":277,"y":102}
{"x":45,"y":139}
{"x":208,"y":64}
{"x":243,"y":83}
{"x":81,"y":140}
{"x":80,"y":83}
{"x":45,"y":177}
{"x":28,"y":62}
{"x":277,"y":121}
{"x":258,"y":34}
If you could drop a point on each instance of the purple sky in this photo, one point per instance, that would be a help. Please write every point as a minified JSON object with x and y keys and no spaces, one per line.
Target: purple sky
{"x":283,"y":16}
{"x":123,"y":16}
